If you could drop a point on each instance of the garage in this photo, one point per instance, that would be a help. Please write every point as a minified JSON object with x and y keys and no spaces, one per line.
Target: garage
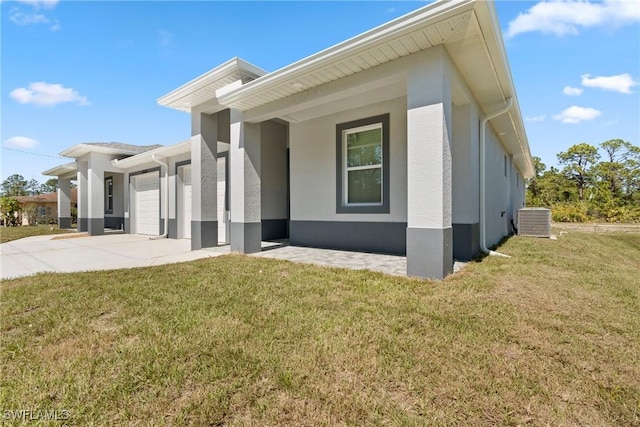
{"x":146,"y":198}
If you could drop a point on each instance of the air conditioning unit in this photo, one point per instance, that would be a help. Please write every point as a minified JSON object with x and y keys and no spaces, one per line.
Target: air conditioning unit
{"x":534,"y":222}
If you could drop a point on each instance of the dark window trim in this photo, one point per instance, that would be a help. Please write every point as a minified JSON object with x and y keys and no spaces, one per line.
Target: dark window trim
{"x":340,"y":128}
{"x":108,"y":180}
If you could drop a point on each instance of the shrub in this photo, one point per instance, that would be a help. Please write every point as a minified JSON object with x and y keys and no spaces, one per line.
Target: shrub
{"x":565,"y":212}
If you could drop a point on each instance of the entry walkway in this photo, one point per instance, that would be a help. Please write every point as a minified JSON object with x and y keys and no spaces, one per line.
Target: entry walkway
{"x":389,"y":264}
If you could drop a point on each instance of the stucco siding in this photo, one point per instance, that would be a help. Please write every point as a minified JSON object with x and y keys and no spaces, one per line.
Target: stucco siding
{"x":273,"y":174}
{"x":465,"y":165}
{"x":313,"y":165}
{"x":497,"y":192}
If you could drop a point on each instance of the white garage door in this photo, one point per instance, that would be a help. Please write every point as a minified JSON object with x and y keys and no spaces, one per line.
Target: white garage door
{"x":147,"y":203}
{"x":222,"y":188}
{"x":186,"y":202}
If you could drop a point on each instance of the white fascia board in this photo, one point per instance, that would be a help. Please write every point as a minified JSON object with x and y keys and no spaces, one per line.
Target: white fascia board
{"x":425,"y":16}
{"x":81,"y":149}
{"x":61,"y":169}
{"x":146,"y":157}
{"x":221,"y":71}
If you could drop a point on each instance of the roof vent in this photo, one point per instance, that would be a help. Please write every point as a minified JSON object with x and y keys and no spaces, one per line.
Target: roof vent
{"x":534,"y":222}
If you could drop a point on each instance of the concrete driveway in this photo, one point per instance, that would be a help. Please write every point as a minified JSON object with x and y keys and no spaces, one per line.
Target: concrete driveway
{"x":38,"y":254}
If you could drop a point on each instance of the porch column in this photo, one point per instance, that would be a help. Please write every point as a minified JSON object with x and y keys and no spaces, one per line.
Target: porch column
{"x":204,"y":180}
{"x":95,"y":219}
{"x":246,"y":227}
{"x":83,"y":195}
{"x":429,"y":231}
{"x":64,"y":203}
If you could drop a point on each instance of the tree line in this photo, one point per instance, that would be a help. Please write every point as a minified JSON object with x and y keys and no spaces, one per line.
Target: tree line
{"x":16,"y":185}
{"x":590,"y":186}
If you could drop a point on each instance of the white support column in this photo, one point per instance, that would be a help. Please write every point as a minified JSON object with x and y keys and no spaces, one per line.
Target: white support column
{"x":83,"y":195}
{"x":246,"y":226}
{"x":64,"y":203}
{"x":95,"y":217}
{"x":429,"y":230}
{"x":204,"y":180}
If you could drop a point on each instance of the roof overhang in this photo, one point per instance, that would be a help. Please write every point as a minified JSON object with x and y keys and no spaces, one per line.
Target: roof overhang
{"x":204,"y":87}
{"x":468,"y":29}
{"x":79,"y":150}
{"x":68,"y":170}
{"x":158,"y":153}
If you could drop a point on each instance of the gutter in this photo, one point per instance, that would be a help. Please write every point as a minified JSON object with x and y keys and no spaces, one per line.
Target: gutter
{"x":166,"y":200}
{"x":483,"y":177}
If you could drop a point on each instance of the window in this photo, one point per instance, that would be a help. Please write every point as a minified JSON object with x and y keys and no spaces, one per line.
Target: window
{"x":108,"y":192}
{"x":362,"y":166}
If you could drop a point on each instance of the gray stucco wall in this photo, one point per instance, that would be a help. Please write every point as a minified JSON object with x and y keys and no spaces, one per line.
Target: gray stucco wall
{"x":497,"y":194}
{"x":274,"y":170}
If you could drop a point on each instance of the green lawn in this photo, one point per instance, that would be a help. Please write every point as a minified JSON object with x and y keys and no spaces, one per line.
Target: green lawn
{"x":8,"y":234}
{"x":550,"y":336}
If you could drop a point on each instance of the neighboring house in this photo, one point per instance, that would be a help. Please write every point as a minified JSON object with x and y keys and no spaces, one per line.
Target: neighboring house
{"x":406,"y":139}
{"x":45,"y":204}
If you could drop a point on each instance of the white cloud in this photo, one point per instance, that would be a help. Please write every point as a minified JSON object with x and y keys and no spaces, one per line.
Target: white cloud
{"x":539,"y":118}
{"x":37,"y":14}
{"x":37,"y":4}
{"x":573,"y":115}
{"x":21,"y":18}
{"x":572,"y":91}
{"x":20,"y":142}
{"x":621,"y":83}
{"x":45,"y":94}
{"x":561,"y":17}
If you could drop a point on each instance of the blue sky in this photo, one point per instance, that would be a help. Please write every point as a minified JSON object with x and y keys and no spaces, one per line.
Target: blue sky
{"x":89,"y":71}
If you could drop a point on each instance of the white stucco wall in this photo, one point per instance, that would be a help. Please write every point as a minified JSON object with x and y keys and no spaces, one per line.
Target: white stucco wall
{"x":312,"y":147}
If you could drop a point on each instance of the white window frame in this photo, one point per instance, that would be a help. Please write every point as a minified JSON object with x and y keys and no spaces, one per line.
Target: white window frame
{"x":346,"y":169}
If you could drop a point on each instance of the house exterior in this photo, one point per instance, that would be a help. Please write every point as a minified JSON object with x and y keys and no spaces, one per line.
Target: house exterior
{"x":406,"y":139}
{"x":45,"y":204}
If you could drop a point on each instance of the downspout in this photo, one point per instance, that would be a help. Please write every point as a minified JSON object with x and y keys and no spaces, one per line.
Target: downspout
{"x":483,"y":178}
{"x":166,"y":200}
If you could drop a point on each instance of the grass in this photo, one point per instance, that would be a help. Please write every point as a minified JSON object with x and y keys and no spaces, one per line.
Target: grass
{"x":8,"y":234}
{"x":550,"y":336}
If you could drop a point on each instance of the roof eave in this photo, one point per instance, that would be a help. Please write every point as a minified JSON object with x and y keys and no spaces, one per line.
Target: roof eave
{"x":233,"y":65}
{"x":147,"y":156}
{"x":380,"y":34}
{"x":61,"y":170}
{"x":81,"y":149}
